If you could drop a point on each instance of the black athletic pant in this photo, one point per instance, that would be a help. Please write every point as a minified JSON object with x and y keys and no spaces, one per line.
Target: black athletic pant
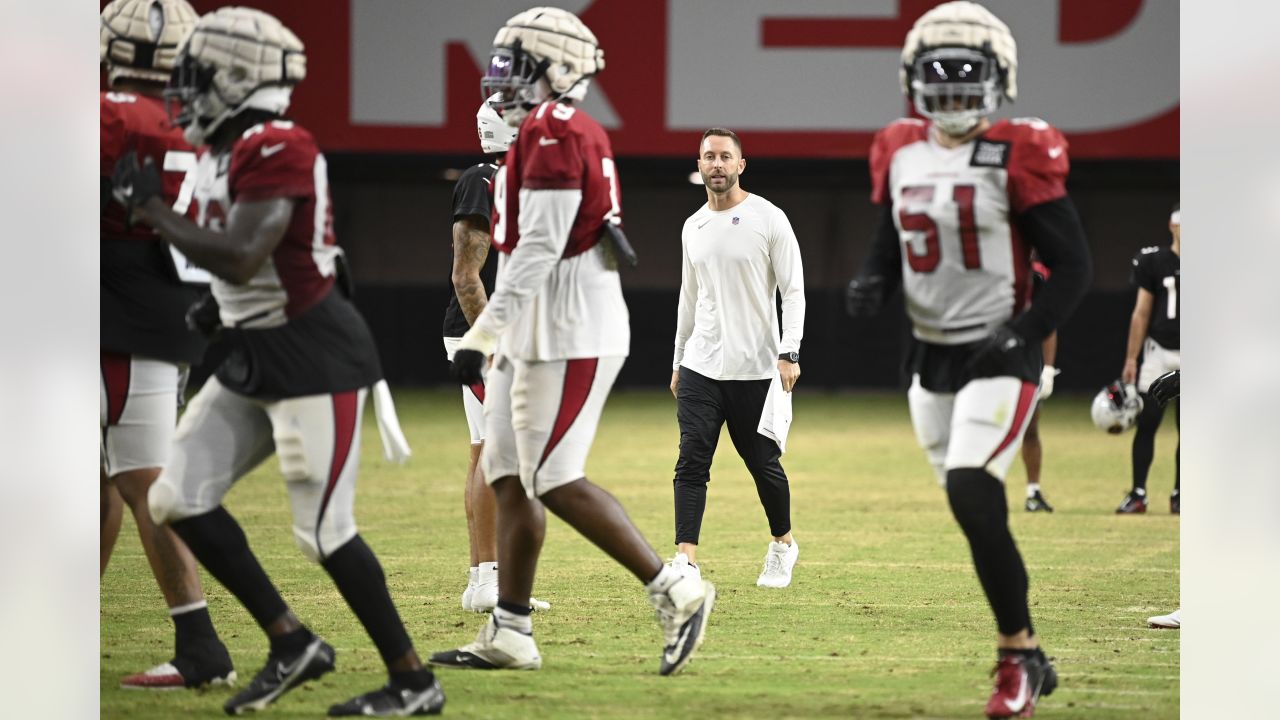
{"x":703,"y":406}
{"x":1144,"y":441}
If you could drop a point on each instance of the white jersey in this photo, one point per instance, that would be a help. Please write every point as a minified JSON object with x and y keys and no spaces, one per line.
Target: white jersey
{"x":965,"y":267}
{"x":735,"y":261}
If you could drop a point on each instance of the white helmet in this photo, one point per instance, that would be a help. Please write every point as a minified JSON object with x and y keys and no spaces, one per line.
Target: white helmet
{"x":495,"y":134}
{"x":1116,"y":407}
{"x":140,"y":38}
{"x":958,"y":63}
{"x":540,"y":44}
{"x":235,"y":59}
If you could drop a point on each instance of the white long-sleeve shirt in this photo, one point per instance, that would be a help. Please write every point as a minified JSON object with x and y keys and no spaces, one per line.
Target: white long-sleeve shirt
{"x":735,"y":261}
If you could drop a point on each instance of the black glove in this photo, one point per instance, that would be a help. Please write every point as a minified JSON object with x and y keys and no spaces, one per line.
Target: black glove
{"x":864,"y":296}
{"x":203,"y":316}
{"x":999,"y":354}
{"x":1166,"y":387}
{"x":133,"y":185}
{"x":467,"y":367}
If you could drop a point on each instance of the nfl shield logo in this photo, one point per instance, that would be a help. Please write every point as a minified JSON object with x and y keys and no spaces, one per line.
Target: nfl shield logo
{"x":735,"y":221}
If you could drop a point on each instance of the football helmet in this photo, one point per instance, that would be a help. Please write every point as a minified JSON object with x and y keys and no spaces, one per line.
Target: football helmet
{"x":236,"y":58}
{"x":1116,"y":407}
{"x":495,"y":134}
{"x":140,"y":38}
{"x":541,"y":45}
{"x":959,"y":61}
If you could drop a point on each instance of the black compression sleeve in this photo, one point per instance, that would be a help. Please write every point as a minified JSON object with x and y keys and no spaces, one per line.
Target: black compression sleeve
{"x":105,"y":187}
{"x":1054,"y":230}
{"x":885,"y":258}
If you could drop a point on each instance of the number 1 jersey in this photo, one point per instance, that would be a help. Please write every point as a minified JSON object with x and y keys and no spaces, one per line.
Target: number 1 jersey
{"x":965,"y":266}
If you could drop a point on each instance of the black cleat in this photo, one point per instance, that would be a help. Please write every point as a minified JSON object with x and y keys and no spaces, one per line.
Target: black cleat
{"x":1037,"y":503}
{"x":280,"y":675}
{"x":1135,"y":503}
{"x":1175,"y":503}
{"x":392,"y":701}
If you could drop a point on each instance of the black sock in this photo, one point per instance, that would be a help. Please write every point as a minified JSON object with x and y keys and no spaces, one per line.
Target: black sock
{"x":218,"y":542}
{"x":978,"y":503}
{"x":419,"y":679}
{"x":515,"y":609}
{"x":193,"y":628}
{"x":358,"y":575}
{"x":291,"y":643}
{"x":1022,"y":652}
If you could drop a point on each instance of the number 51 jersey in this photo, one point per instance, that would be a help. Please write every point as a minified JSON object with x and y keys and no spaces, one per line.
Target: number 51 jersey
{"x":965,"y":266}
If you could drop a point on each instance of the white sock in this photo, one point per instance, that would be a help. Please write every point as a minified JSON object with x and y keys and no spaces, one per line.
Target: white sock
{"x":1032,"y":489}
{"x":665,"y":579}
{"x":487,"y":572}
{"x":521,"y":623}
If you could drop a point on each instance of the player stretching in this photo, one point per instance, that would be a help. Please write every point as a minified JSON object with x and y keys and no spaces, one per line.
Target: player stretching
{"x":964,"y":202}
{"x":564,"y":331}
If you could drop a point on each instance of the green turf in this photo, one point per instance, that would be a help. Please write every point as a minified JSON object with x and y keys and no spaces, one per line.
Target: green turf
{"x":885,"y":618}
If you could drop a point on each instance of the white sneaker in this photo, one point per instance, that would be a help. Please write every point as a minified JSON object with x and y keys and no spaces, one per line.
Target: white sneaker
{"x":683,"y":610}
{"x":497,"y":647}
{"x":680,"y":563}
{"x":1172,"y":621}
{"x":471,"y":589}
{"x":778,"y":563}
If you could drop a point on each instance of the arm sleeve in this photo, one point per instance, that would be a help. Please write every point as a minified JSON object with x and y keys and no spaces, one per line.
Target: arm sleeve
{"x":688,"y":304}
{"x":1054,"y":230}
{"x":546,"y":216}
{"x":784,"y":254}
{"x":885,"y":258}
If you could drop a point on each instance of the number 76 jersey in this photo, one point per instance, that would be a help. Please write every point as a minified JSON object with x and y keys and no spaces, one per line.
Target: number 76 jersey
{"x":965,"y":266}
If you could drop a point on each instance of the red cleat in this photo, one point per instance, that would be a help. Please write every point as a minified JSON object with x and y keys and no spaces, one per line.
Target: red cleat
{"x":1020,"y":681}
{"x":167,"y":677}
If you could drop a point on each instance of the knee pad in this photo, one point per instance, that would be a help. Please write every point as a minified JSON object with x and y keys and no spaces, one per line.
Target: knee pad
{"x":977,"y":502}
{"x":291,"y":455}
{"x":306,"y":540}
{"x":162,"y":501}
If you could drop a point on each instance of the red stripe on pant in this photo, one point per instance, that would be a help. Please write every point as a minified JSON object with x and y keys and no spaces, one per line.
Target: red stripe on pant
{"x":579,"y":376}
{"x":477,"y":389}
{"x":344,"y":431}
{"x":1026,"y":400}
{"x":115,"y":375}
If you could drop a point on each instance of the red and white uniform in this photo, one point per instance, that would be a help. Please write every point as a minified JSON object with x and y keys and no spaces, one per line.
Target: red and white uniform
{"x":965,"y":268}
{"x":301,"y":357}
{"x":557,"y":308}
{"x":145,"y":343}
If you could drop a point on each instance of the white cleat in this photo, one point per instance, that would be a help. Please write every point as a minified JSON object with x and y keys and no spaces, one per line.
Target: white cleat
{"x":469,"y":593}
{"x":680,"y":563}
{"x":778,"y":563}
{"x":497,"y":647}
{"x":683,"y":610}
{"x":1172,"y":621}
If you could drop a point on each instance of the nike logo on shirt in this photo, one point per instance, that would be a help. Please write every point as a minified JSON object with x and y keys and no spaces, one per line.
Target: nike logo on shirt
{"x":269,"y":150}
{"x":704,"y":222}
{"x":1055,"y":151}
{"x":547,"y":141}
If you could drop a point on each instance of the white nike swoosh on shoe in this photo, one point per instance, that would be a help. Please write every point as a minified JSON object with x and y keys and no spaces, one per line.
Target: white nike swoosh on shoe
{"x":1024,"y":694}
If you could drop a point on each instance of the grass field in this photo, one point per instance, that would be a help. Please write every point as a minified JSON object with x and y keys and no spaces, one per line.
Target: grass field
{"x":885,"y":618}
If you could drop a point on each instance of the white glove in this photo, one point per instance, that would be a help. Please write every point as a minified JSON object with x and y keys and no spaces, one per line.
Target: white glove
{"x":1046,"y":381}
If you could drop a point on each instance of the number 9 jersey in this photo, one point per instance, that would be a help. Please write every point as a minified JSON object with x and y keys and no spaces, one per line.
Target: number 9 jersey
{"x":966,"y":267}
{"x":551,"y":199}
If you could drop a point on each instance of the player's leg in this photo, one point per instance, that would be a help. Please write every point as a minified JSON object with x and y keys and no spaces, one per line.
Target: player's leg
{"x":1175,"y":501}
{"x":744,"y":401}
{"x":700,"y":413}
{"x":142,"y":401}
{"x":989,"y":419}
{"x":931,"y":421}
{"x":1032,"y":453}
{"x":482,"y":509}
{"x":317,"y":440}
{"x":110,"y":515}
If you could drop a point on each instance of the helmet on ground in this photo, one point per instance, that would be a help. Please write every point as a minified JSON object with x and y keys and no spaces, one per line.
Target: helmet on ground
{"x":140,"y":38}
{"x":542,"y":44}
{"x":959,"y":61}
{"x":235,"y":59}
{"x":1116,"y":407}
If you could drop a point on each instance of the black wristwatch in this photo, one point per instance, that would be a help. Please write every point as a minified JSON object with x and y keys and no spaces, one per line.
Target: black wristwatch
{"x":790,"y":357}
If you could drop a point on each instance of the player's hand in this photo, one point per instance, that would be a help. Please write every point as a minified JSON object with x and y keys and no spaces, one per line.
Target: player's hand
{"x":864,"y":296}
{"x":133,"y":184}
{"x":468,"y":367}
{"x":203,"y":316}
{"x":1046,"y":381}
{"x":675,"y":382}
{"x":789,"y":373}
{"x":1129,"y":375}
{"x":998,"y":354}
{"x":1166,"y":387}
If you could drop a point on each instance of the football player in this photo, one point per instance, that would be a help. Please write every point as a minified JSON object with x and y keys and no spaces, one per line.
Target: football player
{"x":964,"y":201}
{"x":301,"y":358}
{"x":561,"y":331}
{"x":1164,"y":389}
{"x":1153,"y":330}
{"x":473,"y":272}
{"x":1032,"y":448}
{"x":146,"y":345}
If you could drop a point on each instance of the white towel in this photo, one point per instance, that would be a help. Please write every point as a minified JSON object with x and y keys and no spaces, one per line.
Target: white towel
{"x":775,"y":420}
{"x":394,"y":447}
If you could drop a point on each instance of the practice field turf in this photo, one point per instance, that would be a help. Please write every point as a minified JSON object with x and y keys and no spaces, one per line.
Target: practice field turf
{"x":885,"y":618}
